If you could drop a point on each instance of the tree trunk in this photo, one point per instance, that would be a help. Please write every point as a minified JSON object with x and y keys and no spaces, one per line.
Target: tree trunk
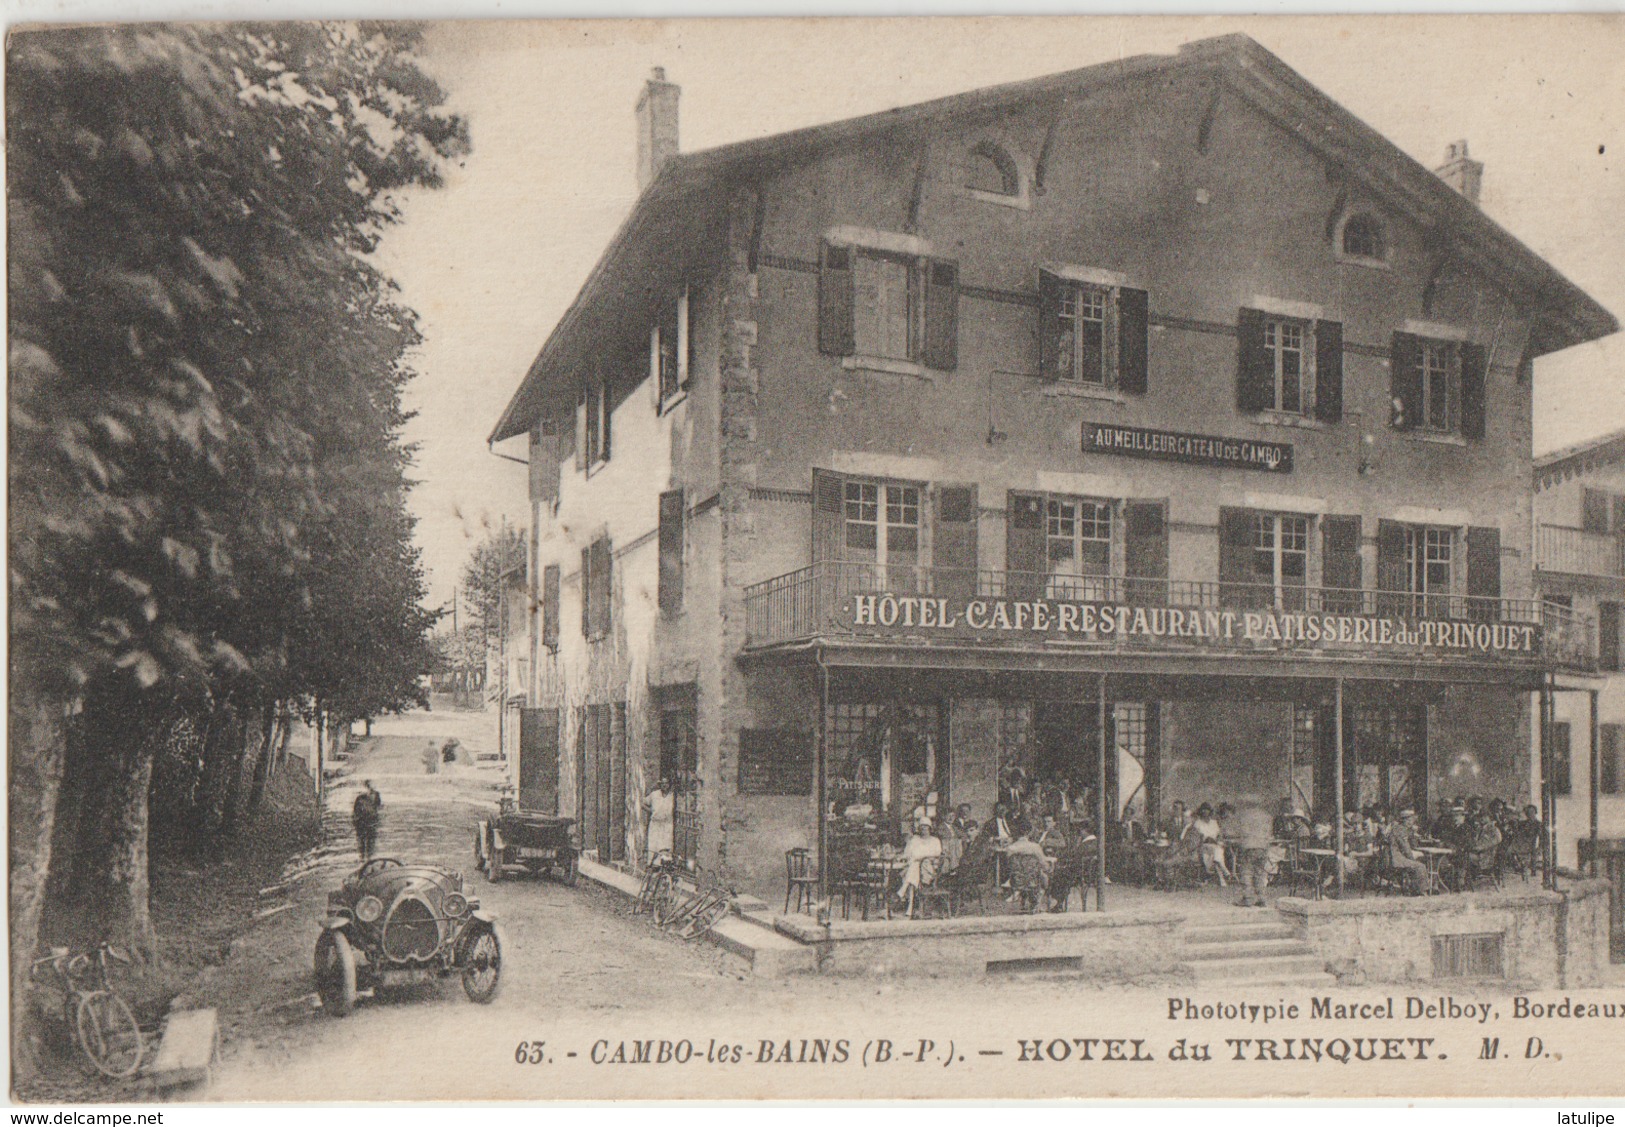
{"x":37,"y":742}
{"x":237,"y":748}
{"x":105,"y":895}
{"x":271,"y":718}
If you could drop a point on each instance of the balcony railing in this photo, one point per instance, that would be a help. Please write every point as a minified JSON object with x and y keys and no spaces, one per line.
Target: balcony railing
{"x":863,"y":600}
{"x":1578,"y":552}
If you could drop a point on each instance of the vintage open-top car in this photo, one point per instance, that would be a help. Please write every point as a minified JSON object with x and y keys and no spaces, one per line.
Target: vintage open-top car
{"x":391,"y":924}
{"x":528,"y":841}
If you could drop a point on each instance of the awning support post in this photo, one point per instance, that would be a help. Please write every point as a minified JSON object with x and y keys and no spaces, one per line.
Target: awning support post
{"x":1596,"y":781}
{"x":823,"y":779}
{"x":1337,"y":784}
{"x":1100,"y":804}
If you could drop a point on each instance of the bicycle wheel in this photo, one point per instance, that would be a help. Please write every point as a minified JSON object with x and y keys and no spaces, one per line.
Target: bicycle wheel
{"x":709,"y":915}
{"x":675,"y":912}
{"x":108,"y":1034}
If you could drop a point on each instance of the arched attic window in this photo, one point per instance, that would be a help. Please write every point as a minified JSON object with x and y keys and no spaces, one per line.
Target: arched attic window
{"x":992,"y":170}
{"x":1363,"y":237}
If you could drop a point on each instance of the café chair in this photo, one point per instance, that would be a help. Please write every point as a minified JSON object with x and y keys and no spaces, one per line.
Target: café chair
{"x":801,"y":883}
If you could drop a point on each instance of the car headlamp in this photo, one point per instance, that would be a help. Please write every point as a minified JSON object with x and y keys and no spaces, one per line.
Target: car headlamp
{"x":368,"y":909}
{"x":456,"y":904}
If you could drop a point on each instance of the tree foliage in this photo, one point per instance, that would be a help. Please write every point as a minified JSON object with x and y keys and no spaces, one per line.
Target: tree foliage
{"x":206,"y":474}
{"x":499,"y":554}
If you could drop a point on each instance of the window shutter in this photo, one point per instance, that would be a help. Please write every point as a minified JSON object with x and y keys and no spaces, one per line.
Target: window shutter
{"x":1024,"y":562}
{"x":1255,"y":373}
{"x":1146,"y":551}
{"x":1483,"y":573}
{"x":581,"y":429}
{"x":1133,"y":340}
{"x":1472,"y":390}
{"x":1405,"y":379}
{"x":587,"y":586}
{"x":605,"y":420}
{"x":955,"y":550}
{"x":835,"y":280}
{"x":670,"y":579}
{"x":1329,"y":371}
{"x":1392,"y":574}
{"x":550,"y":606}
{"x":829,"y":498}
{"x":1340,"y":567}
{"x":1608,"y":636}
{"x":1594,"y":508}
{"x":617,"y":780}
{"x":603,"y":573}
{"x":1235,"y":552}
{"x":685,"y":339}
{"x":1050,"y":292}
{"x":941,"y":315}
{"x":544,"y":461}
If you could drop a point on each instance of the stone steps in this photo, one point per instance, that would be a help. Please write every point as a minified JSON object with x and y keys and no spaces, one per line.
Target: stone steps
{"x":1253,"y":953}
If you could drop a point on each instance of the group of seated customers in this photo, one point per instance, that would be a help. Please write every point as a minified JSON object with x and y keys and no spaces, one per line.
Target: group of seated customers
{"x":1483,"y":837}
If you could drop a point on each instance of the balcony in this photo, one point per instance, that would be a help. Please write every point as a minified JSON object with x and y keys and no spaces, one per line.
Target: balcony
{"x":925,"y":606}
{"x":1578,"y":552}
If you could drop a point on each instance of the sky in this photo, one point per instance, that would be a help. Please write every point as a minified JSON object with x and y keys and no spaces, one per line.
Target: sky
{"x":492,"y":259}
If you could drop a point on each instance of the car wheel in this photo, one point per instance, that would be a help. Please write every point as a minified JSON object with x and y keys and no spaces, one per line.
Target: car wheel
{"x":569,"y":871}
{"x":482,"y":964}
{"x":335,"y":973}
{"x":493,"y":865}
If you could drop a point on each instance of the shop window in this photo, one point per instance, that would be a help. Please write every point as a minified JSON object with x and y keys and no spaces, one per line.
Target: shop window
{"x":1131,"y":729}
{"x":775,"y":761}
{"x":888,"y":306}
{"x":1438,"y":386}
{"x":680,"y":762}
{"x":1562,"y":760}
{"x":1092,"y":334}
{"x":1608,"y":753}
{"x":885,"y":760}
{"x":1305,"y":734}
{"x":1389,"y":756}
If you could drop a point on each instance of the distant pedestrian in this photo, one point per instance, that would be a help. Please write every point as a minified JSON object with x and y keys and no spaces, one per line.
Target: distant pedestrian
{"x":431,"y":759}
{"x":365,"y":815}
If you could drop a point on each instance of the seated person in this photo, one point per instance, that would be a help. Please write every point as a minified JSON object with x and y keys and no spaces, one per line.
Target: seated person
{"x":1069,"y":867}
{"x":1481,"y":845}
{"x":1403,"y":859}
{"x":922,"y":854}
{"x":1051,"y":838}
{"x":1211,"y":834}
{"x":1029,"y":866}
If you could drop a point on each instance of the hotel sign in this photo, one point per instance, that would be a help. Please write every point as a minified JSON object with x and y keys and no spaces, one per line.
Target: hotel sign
{"x":1194,"y":449}
{"x":891,"y":614}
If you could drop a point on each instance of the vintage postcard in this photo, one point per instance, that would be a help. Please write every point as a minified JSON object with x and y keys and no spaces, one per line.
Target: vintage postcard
{"x":817,"y":559}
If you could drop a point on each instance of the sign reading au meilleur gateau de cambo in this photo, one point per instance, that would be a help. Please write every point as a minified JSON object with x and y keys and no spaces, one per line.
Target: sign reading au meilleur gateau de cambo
{"x":1195,"y":449}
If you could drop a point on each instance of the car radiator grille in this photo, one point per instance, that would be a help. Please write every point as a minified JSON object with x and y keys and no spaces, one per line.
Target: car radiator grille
{"x":412,"y":931}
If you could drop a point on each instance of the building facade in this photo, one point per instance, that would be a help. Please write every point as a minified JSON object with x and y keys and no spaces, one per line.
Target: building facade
{"x":1156,"y":428}
{"x":1580,"y":567}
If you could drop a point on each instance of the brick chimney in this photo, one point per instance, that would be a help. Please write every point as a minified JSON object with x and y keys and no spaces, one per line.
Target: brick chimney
{"x":1460,"y":171}
{"x":657,"y":125}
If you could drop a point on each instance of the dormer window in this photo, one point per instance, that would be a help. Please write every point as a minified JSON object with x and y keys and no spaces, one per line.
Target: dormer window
{"x":1361,"y":238}
{"x":992,"y":170}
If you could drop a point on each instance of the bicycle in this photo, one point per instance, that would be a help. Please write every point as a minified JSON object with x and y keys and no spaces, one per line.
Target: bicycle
{"x":659,"y":884}
{"x":697,"y":913}
{"x":102,"y":1023}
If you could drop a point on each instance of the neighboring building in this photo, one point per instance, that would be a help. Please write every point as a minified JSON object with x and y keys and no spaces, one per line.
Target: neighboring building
{"x":1580,"y":568}
{"x":1148,"y":407}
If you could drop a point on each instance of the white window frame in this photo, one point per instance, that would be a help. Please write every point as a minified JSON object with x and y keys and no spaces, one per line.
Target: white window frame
{"x":597,"y":422}
{"x":884,"y":496}
{"x":1274,"y":528}
{"x":667,"y":399}
{"x":913,"y":268}
{"x":1441,"y":361}
{"x":1277,"y":329}
{"x":1075,"y":583}
{"x":1106,"y":298}
{"x":1428,"y":545}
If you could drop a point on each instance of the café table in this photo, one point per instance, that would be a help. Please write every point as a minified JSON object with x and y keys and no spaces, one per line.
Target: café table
{"x":1432,"y":857}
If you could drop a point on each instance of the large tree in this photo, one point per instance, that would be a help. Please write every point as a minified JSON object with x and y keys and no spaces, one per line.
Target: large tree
{"x":206,"y":476}
{"x":483,"y":579}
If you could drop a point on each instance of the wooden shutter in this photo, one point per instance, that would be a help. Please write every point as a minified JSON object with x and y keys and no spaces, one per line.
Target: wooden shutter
{"x":1255,"y":371}
{"x":835,"y":282}
{"x":587,"y":586}
{"x":1340,"y":566}
{"x":587,"y":780}
{"x":829,"y":524}
{"x":1619,"y":513}
{"x":603,"y":585}
{"x":1133,"y":340}
{"x":1594,"y":507}
{"x":954,"y":553}
{"x":605,"y":420}
{"x":1483,"y":573}
{"x":670,"y":579}
{"x":1608,"y":783}
{"x":550,"y":606}
{"x":539,"y":760}
{"x":617,"y":780}
{"x":1235,"y":554}
{"x":1392,"y":574}
{"x":1608,"y":636}
{"x":1329,"y":371}
{"x":941,"y":315}
{"x":1024,"y":562}
{"x":1146,"y":551}
{"x":1051,"y":290}
{"x":580,"y":429}
{"x":1405,"y":380}
{"x":1472,"y":390}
